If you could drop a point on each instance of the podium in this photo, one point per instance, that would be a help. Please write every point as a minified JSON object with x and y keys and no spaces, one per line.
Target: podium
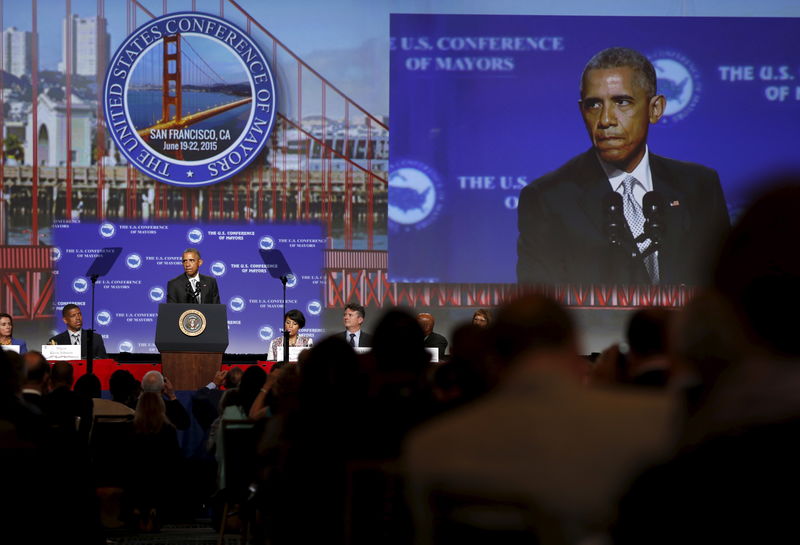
{"x":191,"y":339}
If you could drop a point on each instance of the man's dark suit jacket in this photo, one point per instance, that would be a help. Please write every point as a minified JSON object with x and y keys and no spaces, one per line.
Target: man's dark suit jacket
{"x":176,"y":290}
{"x":434,"y":340}
{"x":205,"y":406}
{"x":365,"y":339}
{"x":98,"y":346}
{"x":563,"y":239}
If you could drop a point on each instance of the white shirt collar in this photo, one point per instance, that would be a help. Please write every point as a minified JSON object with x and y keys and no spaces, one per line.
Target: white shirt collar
{"x":641,"y":173}
{"x":356,"y":338}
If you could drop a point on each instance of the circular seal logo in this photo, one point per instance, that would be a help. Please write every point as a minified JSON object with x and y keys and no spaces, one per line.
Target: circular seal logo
{"x":679,"y":82}
{"x":236,"y":304}
{"x":107,"y":230}
{"x":218,"y":268}
{"x":266,"y":333}
{"x":192,"y":323}
{"x":126,"y":346}
{"x":266,"y":243}
{"x":291,"y":280}
{"x":55,"y":253}
{"x":133,"y":261}
{"x":156,"y":294}
{"x":314,"y":307}
{"x":195,"y":235}
{"x":190,"y":99}
{"x":103,"y":317}
{"x":80,"y":285}
{"x":414,"y":195}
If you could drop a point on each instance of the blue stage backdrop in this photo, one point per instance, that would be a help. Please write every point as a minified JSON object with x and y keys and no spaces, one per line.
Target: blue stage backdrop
{"x":126,"y":301}
{"x":481,"y":105}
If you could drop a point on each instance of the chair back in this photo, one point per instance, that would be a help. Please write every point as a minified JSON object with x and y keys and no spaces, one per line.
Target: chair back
{"x":107,"y":444}
{"x":239,"y":441}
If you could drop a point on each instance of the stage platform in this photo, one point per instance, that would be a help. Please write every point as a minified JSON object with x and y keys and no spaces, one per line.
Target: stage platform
{"x":139,"y":364}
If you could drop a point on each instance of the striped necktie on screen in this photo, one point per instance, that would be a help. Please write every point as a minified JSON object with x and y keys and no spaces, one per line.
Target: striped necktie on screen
{"x":635,"y":219}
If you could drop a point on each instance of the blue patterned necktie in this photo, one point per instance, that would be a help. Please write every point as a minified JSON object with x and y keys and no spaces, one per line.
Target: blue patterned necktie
{"x":635,"y":219}
{"x":352,"y":339}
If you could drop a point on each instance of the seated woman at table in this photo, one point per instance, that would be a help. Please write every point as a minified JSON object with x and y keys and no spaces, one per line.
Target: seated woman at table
{"x":293,"y":322}
{"x":482,"y":318}
{"x":7,"y":333}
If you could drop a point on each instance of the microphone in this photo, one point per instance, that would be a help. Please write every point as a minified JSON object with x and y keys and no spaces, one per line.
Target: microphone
{"x":653,"y":205}
{"x":614,"y":218}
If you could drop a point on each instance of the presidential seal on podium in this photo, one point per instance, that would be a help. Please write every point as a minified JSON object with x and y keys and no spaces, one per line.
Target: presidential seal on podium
{"x":192,"y":323}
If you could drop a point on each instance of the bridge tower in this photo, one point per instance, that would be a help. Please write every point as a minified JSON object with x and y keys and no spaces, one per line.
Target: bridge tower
{"x":171,"y":89}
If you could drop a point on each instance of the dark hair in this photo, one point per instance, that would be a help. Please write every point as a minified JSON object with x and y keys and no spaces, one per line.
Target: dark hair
{"x":233,"y":378}
{"x":758,"y":273}
{"x":485,"y":313}
{"x":123,"y":387}
{"x":5,"y":315}
{"x":37,"y":368}
{"x":533,"y":322}
{"x":12,"y":373}
{"x":297,"y":316}
{"x":62,"y":373}
{"x":192,"y":251}
{"x":253,"y":380}
{"x":67,"y":308}
{"x":399,"y":343}
{"x":647,"y":331}
{"x":88,"y":386}
{"x":355,"y":307}
{"x":329,"y":374}
{"x":619,"y":57}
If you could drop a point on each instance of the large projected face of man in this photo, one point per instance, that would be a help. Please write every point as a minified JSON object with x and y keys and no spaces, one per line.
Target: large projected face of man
{"x":618,"y":105}
{"x":593,"y":219}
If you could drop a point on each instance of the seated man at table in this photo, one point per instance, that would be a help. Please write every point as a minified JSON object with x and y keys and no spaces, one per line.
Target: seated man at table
{"x":432,"y":339}
{"x":75,"y":334}
{"x":353,"y":317}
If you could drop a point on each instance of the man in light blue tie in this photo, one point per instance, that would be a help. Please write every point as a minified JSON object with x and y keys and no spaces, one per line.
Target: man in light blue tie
{"x":353,"y":317}
{"x":563,"y":216}
{"x":75,"y":334}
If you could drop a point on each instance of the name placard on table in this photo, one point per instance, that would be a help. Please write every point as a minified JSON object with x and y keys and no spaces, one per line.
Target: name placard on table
{"x":61,"y":352}
{"x":11,"y":348}
{"x":294,"y":352}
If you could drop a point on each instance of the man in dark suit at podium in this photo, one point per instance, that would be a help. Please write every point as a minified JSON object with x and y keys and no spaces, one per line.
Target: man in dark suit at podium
{"x":75,"y":334}
{"x":353,"y":318}
{"x":191,"y":286}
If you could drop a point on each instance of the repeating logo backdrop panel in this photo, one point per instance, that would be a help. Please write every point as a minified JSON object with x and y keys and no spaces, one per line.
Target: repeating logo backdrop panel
{"x":127,"y":300}
{"x":482,"y":105}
